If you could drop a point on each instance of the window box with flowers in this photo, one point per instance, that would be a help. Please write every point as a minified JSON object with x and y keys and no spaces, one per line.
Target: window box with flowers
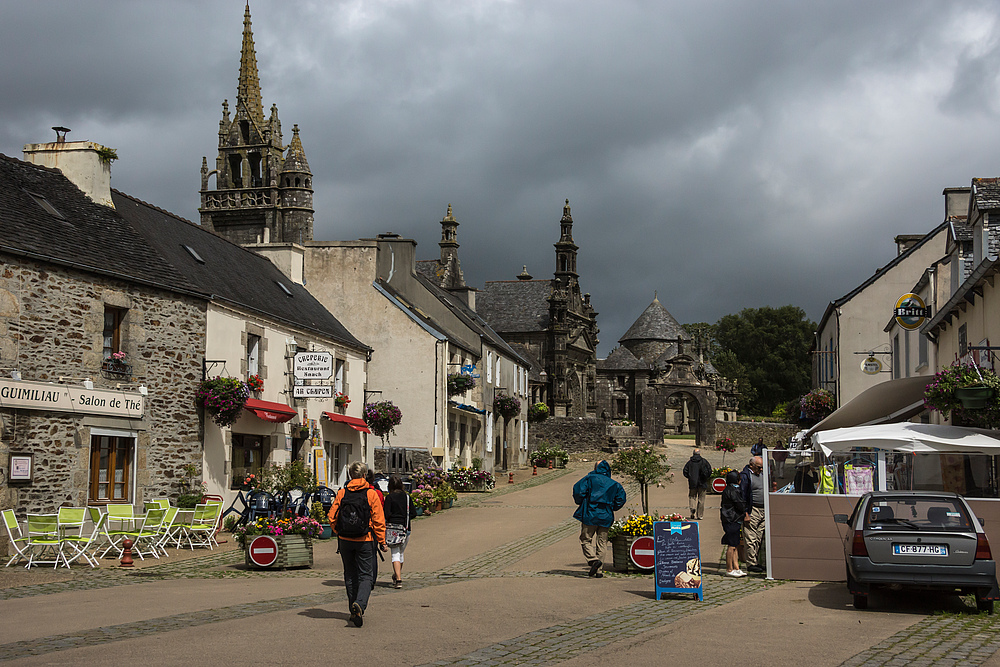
{"x":256,"y":384}
{"x":341,"y":401}
{"x":115,"y":368}
{"x":969,"y":395}
{"x":624,"y":532}
{"x":294,"y":536}
{"x":223,"y":399}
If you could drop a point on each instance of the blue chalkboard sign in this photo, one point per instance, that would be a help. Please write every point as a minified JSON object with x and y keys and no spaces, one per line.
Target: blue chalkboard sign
{"x":677,"y":558}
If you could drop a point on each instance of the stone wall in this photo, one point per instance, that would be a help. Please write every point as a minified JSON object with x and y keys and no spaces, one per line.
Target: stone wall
{"x":51,"y":326}
{"x":745,"y":434}
{"x":571,"y":433}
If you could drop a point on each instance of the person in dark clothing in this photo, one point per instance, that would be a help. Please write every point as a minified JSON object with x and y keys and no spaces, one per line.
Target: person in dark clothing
{"x":806,"y":478}
{"x":752,"y":488}
{"x":732,"y":511}
{"x":598,"y":497}
{"x":376,"y":556}
{"x":399,"y":511}
{"x":698,"y":471}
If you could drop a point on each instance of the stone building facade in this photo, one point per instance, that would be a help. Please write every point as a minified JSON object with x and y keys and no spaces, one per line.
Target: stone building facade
{"x":263,"y":188}
{"x":60,"y":324}
{"x":555,"y":323}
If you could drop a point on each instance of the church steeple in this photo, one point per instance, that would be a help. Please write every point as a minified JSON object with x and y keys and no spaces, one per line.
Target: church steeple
{"x":449,"y":237}
{"x":565,"y":248}
{"x":259,"y":194}
{"x":248,"y":90}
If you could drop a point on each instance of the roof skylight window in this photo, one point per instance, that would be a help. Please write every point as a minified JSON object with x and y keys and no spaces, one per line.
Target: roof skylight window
{"x":284,"y":289}
{"x":194,"y":253}
{"x":44,"y":203}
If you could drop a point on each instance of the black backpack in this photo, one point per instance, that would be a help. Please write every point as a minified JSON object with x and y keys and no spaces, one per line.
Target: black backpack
{"x":354,"y":516}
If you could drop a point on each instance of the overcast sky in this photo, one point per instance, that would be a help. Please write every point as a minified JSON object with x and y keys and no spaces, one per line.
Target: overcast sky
{"x":725,"y":154}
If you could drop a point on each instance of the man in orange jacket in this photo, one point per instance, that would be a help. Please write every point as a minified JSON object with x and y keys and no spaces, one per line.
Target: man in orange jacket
{"x":357,"y":518}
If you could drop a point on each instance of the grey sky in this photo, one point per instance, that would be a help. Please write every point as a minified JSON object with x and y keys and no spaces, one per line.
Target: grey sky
{"x":726,"y":154}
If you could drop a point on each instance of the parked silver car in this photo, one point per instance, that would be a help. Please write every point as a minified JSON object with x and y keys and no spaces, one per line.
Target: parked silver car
{"x":918,"y":539}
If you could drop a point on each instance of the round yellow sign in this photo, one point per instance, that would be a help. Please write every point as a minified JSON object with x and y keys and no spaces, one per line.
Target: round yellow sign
{"x":911,"y":311}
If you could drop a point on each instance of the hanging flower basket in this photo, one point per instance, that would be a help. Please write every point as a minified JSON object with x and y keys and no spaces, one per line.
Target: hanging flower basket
{"x":382,"y":418}
{"x":459,"y":383}
{"x":506,"y":406}
{"x":969,"y":395}
{"x":974,"y":398}
{"x":223,"y":398}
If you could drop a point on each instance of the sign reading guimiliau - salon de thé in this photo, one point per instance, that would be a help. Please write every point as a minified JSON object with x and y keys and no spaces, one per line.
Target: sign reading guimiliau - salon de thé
{"x":26,"y":395}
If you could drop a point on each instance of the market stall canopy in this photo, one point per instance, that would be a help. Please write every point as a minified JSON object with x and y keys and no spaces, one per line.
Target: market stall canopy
{"x":270,"y":412}
{"x":910,"y":437}
{"x":353,"y":422}
{"x":886,"y":402}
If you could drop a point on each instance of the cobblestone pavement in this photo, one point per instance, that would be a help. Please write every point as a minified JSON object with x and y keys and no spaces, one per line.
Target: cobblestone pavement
{"x":942,"y":639}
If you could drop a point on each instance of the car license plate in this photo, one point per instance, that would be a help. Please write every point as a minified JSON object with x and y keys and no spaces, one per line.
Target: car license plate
{"x":920,"y":549}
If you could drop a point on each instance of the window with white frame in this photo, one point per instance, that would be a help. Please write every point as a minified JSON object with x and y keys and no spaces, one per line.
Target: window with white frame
{"x":489,"y":366}
{"x":489,"y":431}
{"x":253,"y":354}
{"x":499,"y":381}
{"x":338,"y":377}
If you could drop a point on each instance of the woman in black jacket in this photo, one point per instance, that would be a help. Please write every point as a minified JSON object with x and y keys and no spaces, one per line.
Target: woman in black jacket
{"x":399,"y":511}
{"x":732,"y":512}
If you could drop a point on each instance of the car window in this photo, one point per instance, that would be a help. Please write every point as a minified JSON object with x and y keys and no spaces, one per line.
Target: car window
{"x":937,"y":514}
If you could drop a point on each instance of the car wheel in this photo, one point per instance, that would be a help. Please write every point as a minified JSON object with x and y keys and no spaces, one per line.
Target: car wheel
{"x":860,"y":601}
{"x":984,"y":605}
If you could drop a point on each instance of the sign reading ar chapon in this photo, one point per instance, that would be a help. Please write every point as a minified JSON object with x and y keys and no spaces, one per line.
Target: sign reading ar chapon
{"x":313,"y":365}
{"x":312,"y":391}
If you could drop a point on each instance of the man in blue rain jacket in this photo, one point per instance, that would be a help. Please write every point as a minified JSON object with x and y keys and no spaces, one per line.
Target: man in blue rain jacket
{"x":598,"y":497}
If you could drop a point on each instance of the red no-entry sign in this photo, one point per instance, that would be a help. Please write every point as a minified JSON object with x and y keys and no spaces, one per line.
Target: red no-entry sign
{"x":263,"y":551}
{"x":642,"y":552}
{"x":718,"y":485}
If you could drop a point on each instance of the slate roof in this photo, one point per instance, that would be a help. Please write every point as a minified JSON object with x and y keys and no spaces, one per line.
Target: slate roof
{"x":515,"y":305}
{"x":535,"y":367}
{"x":960,"y":229}
{"x":88,"y":236}
{"x":621,"y":359}
{"x":228,"y":272}
{"x":655,"y":323}
{"x":986,"y":192}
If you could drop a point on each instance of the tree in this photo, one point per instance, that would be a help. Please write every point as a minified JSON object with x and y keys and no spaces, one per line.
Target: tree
{"x":767,"y":351}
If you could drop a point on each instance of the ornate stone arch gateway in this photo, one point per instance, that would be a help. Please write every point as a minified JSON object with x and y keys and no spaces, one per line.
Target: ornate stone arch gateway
{"x":687,"y":409}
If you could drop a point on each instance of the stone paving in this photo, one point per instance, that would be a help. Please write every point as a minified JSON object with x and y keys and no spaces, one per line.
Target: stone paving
{"x":937,"y":640}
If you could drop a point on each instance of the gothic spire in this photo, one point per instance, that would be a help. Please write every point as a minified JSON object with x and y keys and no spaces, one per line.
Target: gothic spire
{"x":249,"y":86}
{"x":295,"y":159}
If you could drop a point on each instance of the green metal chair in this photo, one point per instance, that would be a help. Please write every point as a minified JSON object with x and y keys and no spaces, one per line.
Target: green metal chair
{"x":81,"y":544}
{"x":43,"y":540}
{"x":145,"y":535}
{"x":18,"y":540}
{"x":120,"y":523}
{"x":201,"y":532}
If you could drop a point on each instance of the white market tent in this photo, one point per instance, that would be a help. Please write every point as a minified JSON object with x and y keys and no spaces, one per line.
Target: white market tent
{"x":910,"y":437}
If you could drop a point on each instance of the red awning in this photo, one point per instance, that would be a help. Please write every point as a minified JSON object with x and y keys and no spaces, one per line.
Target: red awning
{"x":353,"y":422}
{"x":270,"y":412}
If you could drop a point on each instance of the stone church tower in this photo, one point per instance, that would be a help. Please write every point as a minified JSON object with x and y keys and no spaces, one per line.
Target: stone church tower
{"x":263,"y":189}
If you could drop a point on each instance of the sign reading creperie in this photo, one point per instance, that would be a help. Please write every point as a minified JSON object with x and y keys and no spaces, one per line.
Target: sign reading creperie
{"x":313,"y":365}
{"x":70,"y":398}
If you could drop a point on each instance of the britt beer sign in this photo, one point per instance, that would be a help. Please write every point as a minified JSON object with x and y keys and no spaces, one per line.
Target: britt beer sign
{"x":911,"y":311}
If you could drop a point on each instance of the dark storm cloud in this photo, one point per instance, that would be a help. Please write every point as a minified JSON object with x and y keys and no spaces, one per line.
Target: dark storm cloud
{"x":724,"y":154}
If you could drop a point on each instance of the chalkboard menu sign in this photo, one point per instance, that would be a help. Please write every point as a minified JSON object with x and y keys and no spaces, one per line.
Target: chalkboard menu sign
{"x":677,"y":558}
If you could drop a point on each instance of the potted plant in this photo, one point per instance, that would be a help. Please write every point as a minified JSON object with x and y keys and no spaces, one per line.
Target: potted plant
{"x":459,"y":383}
{"x":115,"y":367}
{"x":294,"y":536}
{"x":422,"y":498}
{"x":538,"y":412}
{"x":624,"y":531}
{"x":644,"y":466}
{"x":319,"y":515}
{"x":341,"y":400}
{"x":469,"y":479}
{"x":223,"y":398}
{"x":725,"y":445}
{"x":382,"y":418}
{"x":717,"y":473}
{"x":444,"y":495}
{"x":506,"y":406}
{"x":966,"y":393}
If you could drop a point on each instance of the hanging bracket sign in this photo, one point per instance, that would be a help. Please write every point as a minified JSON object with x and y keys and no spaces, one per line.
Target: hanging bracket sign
{"x":313,"y":365}
{"x":911,"y":311}
{"x":871,"y":366}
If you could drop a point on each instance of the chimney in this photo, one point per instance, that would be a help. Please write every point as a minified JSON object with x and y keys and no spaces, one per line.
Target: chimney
{"x":86,"y":164}
{"x":956,"y":202}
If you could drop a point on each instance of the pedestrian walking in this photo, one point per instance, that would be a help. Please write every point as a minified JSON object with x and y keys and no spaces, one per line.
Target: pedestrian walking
{"x":698,"y":471}
{"x":598,"y":497}
{"x":731,"y":513}
{"x":399,"y":512}
{"x":752,"y":488}
{"x":376,"y":556}
{"x":779,"y":457}
{"x":357,"y":518}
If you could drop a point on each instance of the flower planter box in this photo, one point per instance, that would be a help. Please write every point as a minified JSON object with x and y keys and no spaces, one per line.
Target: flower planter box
{"x":327,"y":532}
{"x":293,"y":551}
{"x":619,"y":549}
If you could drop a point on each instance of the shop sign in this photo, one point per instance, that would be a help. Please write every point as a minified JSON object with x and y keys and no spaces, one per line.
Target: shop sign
{"x":25,"y":395}
{"x":312,"y":391}
{"x":871,"y":366}
{"x":911,"y":311}
{"x":313,"y":365}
